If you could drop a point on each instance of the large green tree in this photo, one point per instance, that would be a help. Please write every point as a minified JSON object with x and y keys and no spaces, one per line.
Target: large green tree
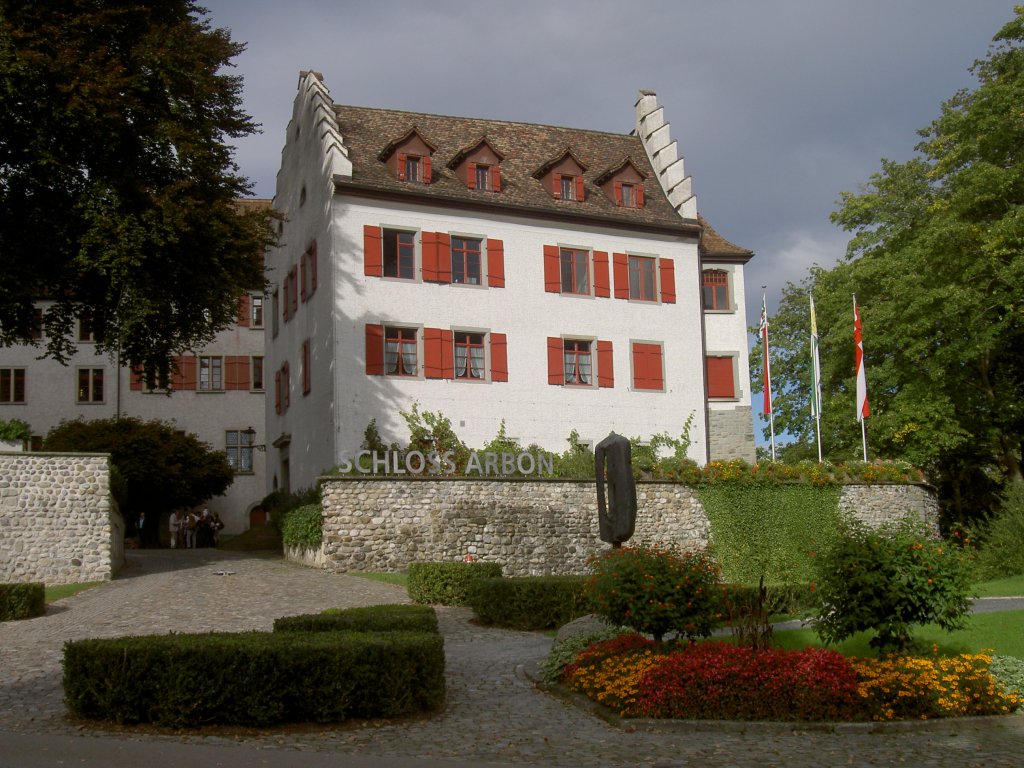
{"x":162,"y":467}
{"x":937,"y":264}
{"x":117,"y":186}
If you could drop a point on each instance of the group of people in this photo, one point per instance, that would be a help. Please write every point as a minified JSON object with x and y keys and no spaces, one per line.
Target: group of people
{"x":190,"y":529}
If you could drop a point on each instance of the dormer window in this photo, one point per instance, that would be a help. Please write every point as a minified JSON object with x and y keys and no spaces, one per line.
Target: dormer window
{"x":410,"y":168}
{"x":409,"y":158}
{"x":624,"y":184}
{"x":567,"y":187}
{"x":562,"y":176}
{"x":478,"y":165}
{"x":483,"y":177}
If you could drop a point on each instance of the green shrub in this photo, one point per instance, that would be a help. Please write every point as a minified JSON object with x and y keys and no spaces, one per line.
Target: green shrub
{"x":254,"y":679}
{"x":370,"y":618}
{"x":656,"y":591}
{"x":277,"y":503}
{"x":528,"y":603}
{"x":303,"y":526}
{"x":1008,"y":672}
{"x":1000,"y":538}
{"x":887,"y":580}
{"x":14,"y":429}
{"x":565,"y":652}
{"x":22,"y":601}
{"x":447,"y":583}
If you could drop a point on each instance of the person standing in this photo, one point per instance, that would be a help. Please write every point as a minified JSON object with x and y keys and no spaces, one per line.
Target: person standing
{"x":140,"y":526}
{"x":191,"y":521}
{"x":174,"y":523}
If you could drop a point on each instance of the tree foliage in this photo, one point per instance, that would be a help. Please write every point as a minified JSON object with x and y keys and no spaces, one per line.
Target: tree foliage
{"x":117,"y":189}
{"x":162,"y":467}
{"x":936,"y":262}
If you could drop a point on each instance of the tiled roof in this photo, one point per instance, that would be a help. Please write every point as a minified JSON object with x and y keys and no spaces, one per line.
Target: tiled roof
{"x":713,"y":245}
{"x":525,"y":147}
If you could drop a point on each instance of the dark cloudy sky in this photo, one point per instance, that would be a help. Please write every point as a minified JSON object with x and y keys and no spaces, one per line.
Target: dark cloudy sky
{"x":777,"y":105}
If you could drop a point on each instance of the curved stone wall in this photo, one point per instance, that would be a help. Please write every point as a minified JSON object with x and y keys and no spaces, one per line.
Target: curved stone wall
{"x":58,"y":522}
{"x":533,"y":527}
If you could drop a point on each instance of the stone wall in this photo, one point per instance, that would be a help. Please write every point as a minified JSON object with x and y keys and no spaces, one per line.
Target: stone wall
{"x":731,"y":434}
{"x":533,"y":527}
{"x":58,"y":522}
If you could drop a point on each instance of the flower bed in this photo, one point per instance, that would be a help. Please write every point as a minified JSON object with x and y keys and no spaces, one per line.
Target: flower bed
{"x":636,"y":677}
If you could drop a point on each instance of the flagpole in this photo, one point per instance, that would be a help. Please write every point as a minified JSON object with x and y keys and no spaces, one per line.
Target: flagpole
{"x":863,"y":408}
{"x":815,"y":377}
{"x":768,"y":407}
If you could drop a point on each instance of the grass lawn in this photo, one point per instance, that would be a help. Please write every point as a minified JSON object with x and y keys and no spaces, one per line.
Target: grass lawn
{"x":1001,"y":633}
{"x":60,"y":591}
{"x":1012,"y":586}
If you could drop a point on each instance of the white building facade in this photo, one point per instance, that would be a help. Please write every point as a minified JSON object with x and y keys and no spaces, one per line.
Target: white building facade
{"x":216,"y":395}
{"x":550,"y":279}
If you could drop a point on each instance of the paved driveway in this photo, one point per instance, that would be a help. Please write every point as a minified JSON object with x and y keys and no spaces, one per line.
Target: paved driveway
{"x":494,"y":715}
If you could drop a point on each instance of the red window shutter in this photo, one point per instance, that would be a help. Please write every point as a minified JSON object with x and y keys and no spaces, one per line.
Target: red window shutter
{"x":552,"y":280}
{"x":495,"y":178}
{"x":647,"y":371}
{"x":471,"y":175}
{"x":242,"y":364}
{"x":428,"y":250}
{"x":401,"y":166}
{"x":579,"y":188}
{"x":277,"y":391}
{"x":286,"y":305}
{"x":602,"y":285}
{"x":668,"y":280}
{"x":373,"y":251}
{"x":312,"y":266}
{"x":295,"y":290}
{"x":495,"y":263}
{"x":447,"y":355}
{"x":427,"y":169}
{"x":374,"y":350}
{"x":433,"y":367}
{"x":187,"y":371}
{"x":556,"y":185}
{"x":307,"y":377}
{"x":444,"y":257}
{"x":721,"y":382}
{"x":137,"y":377}
{"x":605,"y":364}
{"x":556,"y":361}
{"x":618,"y":193}
{"x":620,"y":270}
{"x":302,"y":278}
{"x":499,"y":357}
{"x":243,"y":311}
{"x":230,"y":373}
{"x":638,"y":192}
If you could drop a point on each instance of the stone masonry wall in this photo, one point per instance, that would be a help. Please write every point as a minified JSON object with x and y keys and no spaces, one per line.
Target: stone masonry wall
{"x":731,"y":434}
{"x":533,"y":527}
{"x":58,"y":522}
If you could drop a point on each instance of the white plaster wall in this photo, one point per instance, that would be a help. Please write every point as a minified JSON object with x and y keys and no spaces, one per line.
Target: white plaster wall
{"x":534,"y":411}
{"x":726,"y":333}
{"x":51,"y":394}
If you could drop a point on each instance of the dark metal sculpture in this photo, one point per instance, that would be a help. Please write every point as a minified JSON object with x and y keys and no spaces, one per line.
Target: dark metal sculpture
{"x":613,"y":465}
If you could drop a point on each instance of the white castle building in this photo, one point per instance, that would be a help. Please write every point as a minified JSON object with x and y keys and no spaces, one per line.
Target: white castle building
{"x":552,"y":278}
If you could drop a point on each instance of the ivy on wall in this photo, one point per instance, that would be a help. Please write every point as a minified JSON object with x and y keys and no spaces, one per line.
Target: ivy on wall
{"x":769,"y":530}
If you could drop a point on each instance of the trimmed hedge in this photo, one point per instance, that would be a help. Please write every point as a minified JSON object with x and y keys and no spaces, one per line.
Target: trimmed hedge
{"x":447,"y":583}
{"x":254,"y":679}
{"x":22,"y":601}
{"x":792,"y":599}
{"x":530,"y":602}
{"x":370,"y":618}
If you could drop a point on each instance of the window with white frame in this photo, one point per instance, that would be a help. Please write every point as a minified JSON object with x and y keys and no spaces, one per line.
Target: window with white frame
{"x":238,"y":447}
{"x":90,"y":385}
{"x":12,"y":385}
{"x":211,"y":373}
